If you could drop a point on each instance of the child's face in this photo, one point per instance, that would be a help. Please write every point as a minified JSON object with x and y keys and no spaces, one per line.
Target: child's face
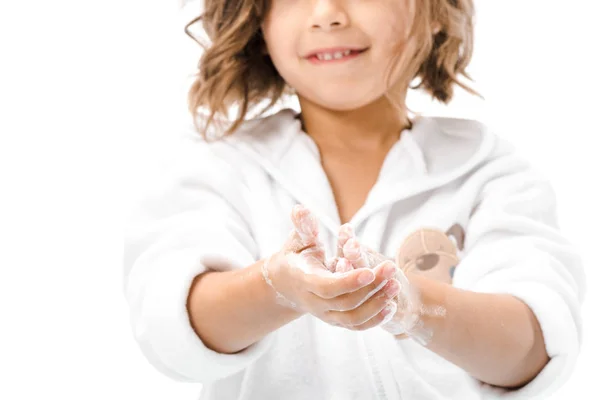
{"x":293,"y":29}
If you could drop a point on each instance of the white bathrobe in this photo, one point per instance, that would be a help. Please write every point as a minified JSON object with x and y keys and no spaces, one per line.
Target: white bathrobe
{"x":227,"y":204}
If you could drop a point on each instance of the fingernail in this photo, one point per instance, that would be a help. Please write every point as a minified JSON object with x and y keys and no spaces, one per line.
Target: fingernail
{"x":366,"y":277}
{"x":392,"y":289}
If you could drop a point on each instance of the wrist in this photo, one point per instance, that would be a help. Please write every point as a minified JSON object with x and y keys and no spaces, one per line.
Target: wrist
{"x":270,"y":268}
{"x":420,"y":314}
{"x":433,"y":305}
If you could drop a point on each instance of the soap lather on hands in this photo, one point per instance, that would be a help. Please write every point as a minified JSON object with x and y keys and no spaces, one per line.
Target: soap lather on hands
{"x":350,"y":293}
{"x":405,"y":319}
{"x":330,"y":289}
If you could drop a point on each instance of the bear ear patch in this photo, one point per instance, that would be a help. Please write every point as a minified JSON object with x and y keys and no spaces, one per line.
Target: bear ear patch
{"x":456,"y":233}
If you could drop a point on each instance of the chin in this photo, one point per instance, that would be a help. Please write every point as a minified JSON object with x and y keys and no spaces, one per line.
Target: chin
{"x":341,"y":101}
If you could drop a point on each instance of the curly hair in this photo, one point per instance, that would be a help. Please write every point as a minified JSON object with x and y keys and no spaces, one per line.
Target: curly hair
{"x":235,"y":70}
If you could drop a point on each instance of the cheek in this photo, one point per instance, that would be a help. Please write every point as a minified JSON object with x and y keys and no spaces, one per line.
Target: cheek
{"x":389,"y":33}
{"x":390,"y":49}
{"x":282,"y":59}
{"x":392,"y":24}
{"x":280,"y":44}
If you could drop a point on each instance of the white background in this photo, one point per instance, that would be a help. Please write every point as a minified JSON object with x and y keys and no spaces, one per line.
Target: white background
{"x":91,"y":92}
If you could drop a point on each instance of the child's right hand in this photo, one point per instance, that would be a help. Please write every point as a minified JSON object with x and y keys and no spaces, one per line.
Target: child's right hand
{"x":357,"y":299}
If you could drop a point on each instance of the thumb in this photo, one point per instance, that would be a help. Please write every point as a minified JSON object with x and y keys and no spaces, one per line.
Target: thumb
{"x":305,"y":224}
{"x":304,"y":236}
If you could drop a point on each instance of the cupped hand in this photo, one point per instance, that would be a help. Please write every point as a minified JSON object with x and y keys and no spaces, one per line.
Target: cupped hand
{"x":356,"y":298}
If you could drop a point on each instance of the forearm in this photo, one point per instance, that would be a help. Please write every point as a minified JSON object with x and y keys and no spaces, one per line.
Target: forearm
{"x":232,"y":310}
{"x":494,"y":337}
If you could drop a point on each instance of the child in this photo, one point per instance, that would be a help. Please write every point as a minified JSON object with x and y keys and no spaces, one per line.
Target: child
{"x":349,"y":251}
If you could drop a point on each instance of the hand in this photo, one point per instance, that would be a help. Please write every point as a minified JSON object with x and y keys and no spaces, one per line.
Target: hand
{"x":301,"y":280}
{"x":405,"y":320}
{"x":359,"y":255}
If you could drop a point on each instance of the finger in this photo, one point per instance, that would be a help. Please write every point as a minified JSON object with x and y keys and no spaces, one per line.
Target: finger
{"x":381,"y":318}
{"x":305,"y":224}
{"x":293,"y":243}
{"x":345,"y":233}
{"x":343,"y":265}
{"x":354,"y":253}
{"x":363,"y":256}
{"x":369,"y":309}
{"x":307,"y":229}
{"x":402,"y":323}
{"x":350,"y":301}
{"x":373,"y":257}
{"x":328,"y":286}
{"x":315,"y":252}
{"x":331,"y":263}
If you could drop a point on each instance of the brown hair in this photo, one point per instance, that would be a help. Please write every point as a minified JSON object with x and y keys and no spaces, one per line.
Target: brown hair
{"x":236,"y":71}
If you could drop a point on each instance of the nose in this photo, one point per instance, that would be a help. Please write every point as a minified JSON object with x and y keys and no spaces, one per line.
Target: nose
{"x":328,"y":15}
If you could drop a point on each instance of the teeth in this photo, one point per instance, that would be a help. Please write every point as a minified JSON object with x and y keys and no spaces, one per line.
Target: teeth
{"x":330,"y":56}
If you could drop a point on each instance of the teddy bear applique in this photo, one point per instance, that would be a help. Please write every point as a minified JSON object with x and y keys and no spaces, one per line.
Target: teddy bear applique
{"x":432,"y":252}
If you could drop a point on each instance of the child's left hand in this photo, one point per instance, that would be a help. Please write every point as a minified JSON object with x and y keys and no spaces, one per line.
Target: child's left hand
{"x":359,"y":255}
{"x":404,"y":321}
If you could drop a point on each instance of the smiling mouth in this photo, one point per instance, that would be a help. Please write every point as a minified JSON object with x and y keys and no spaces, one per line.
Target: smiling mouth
{"x":333,"y":57}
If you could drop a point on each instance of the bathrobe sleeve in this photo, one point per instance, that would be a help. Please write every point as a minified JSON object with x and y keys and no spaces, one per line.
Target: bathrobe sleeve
{"x":513,"y":245}
{"x":191,"y":220}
